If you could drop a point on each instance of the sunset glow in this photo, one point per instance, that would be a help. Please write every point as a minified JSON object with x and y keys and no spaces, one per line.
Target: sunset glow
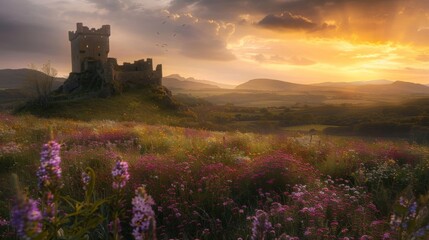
{"x":303,"y":41}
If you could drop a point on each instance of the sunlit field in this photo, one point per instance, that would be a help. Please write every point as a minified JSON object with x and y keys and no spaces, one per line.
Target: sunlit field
{"x":206,"y":184}
{"x":214,"y":120}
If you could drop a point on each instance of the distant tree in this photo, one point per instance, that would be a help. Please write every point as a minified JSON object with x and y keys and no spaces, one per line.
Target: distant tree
{"x":312,"y":132}
{"x":41,"y":84}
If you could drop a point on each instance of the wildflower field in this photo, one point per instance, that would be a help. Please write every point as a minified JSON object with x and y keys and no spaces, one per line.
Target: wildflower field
{"x":66,"y":179}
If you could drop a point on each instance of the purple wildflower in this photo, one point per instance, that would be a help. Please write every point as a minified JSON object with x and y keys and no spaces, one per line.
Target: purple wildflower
{"x":50,"y":209}
{"x":261,"y":225}
{"x":143,"y":214}
{"x":115,"y":224}
{"x":412,"y":210}
{"x":49,"y":172}
{"x":3,"y":222}
{"x":421,"y":232}
{"x":386,"y":236}
{"x":85,"y":180}
{"x":120,"y":174}
{"x":26,"y":218}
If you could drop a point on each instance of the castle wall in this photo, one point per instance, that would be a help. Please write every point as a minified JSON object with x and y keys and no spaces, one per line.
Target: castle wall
{"x":110,"y":68}
{"x":137,"y":77}
{"x":139,"y":72}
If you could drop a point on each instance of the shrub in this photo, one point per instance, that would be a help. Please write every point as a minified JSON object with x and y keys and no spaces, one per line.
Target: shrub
{"x":277,"y":171}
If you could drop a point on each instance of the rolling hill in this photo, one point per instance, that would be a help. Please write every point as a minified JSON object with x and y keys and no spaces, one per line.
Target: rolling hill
{"x":355,"y":83}
{"x":262,"y":84}
{"x":380,"y":87}
{"x":18,"y":78}
{"x":177,"y":81}
{"x":149,"y":105}
{"x":396,"y":88}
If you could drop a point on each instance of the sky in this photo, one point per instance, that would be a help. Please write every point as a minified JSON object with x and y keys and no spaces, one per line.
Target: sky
{"x":232,"y":41}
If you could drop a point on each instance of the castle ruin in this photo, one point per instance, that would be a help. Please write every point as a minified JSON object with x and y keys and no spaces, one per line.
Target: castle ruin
{"x":88,"y":46}
{"x":93,"y":70}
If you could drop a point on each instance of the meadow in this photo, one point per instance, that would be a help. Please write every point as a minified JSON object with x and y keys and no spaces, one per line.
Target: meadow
{"x":203,"y":184}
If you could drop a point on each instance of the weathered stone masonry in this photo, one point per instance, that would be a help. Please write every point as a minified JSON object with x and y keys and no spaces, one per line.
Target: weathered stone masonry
{"x":92,"y":69}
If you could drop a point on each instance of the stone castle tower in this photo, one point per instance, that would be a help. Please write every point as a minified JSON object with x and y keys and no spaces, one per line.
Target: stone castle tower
{"x":88,"y":46}
{"x":94,"y":71}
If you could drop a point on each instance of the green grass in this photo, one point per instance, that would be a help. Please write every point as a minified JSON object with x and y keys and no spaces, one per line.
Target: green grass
{"x":221,"y":165}
{"x":135,"y":105}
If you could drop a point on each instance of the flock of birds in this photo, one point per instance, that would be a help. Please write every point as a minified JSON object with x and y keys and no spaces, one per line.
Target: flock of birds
{"x":164,"y":46}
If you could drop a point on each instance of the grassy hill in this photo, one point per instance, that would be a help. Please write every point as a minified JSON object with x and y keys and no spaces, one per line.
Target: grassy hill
{"x":272,"y":85}
{"x":15,"y":86}
{"x":143,"y":105}
{"x":18,"y":78}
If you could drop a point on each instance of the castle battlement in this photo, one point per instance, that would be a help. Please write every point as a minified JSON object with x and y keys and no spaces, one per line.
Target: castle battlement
{"x":139,"y":65}
{"x":84,"y":30}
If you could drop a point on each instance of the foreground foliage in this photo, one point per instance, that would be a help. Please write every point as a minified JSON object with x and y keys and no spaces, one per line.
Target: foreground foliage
{"x":206,"y":185}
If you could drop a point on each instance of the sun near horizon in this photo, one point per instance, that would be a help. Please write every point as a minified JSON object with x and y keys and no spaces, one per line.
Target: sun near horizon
{"x":301,"y":41}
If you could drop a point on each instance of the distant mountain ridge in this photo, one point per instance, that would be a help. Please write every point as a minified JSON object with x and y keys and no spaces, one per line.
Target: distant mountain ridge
{"x":173,"y":83}
{"x":402,"y":87}
{"x":376,"y":86}
{"x":355,"y":83}
{"x":263,"y":84}
{"x":189,"y":80}
{"x":17,"y":78}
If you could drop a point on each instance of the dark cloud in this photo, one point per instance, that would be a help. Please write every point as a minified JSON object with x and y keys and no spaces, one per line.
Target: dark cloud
{"x":116,"y":5}
{"x":27,"y":37}
{"x":41,"y":29}
{"x":111,"y":5}
{"x":220,"y":9}
{"x":366,"y":20}
{"x":26,"y":28}
{"x":288,"y":20}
